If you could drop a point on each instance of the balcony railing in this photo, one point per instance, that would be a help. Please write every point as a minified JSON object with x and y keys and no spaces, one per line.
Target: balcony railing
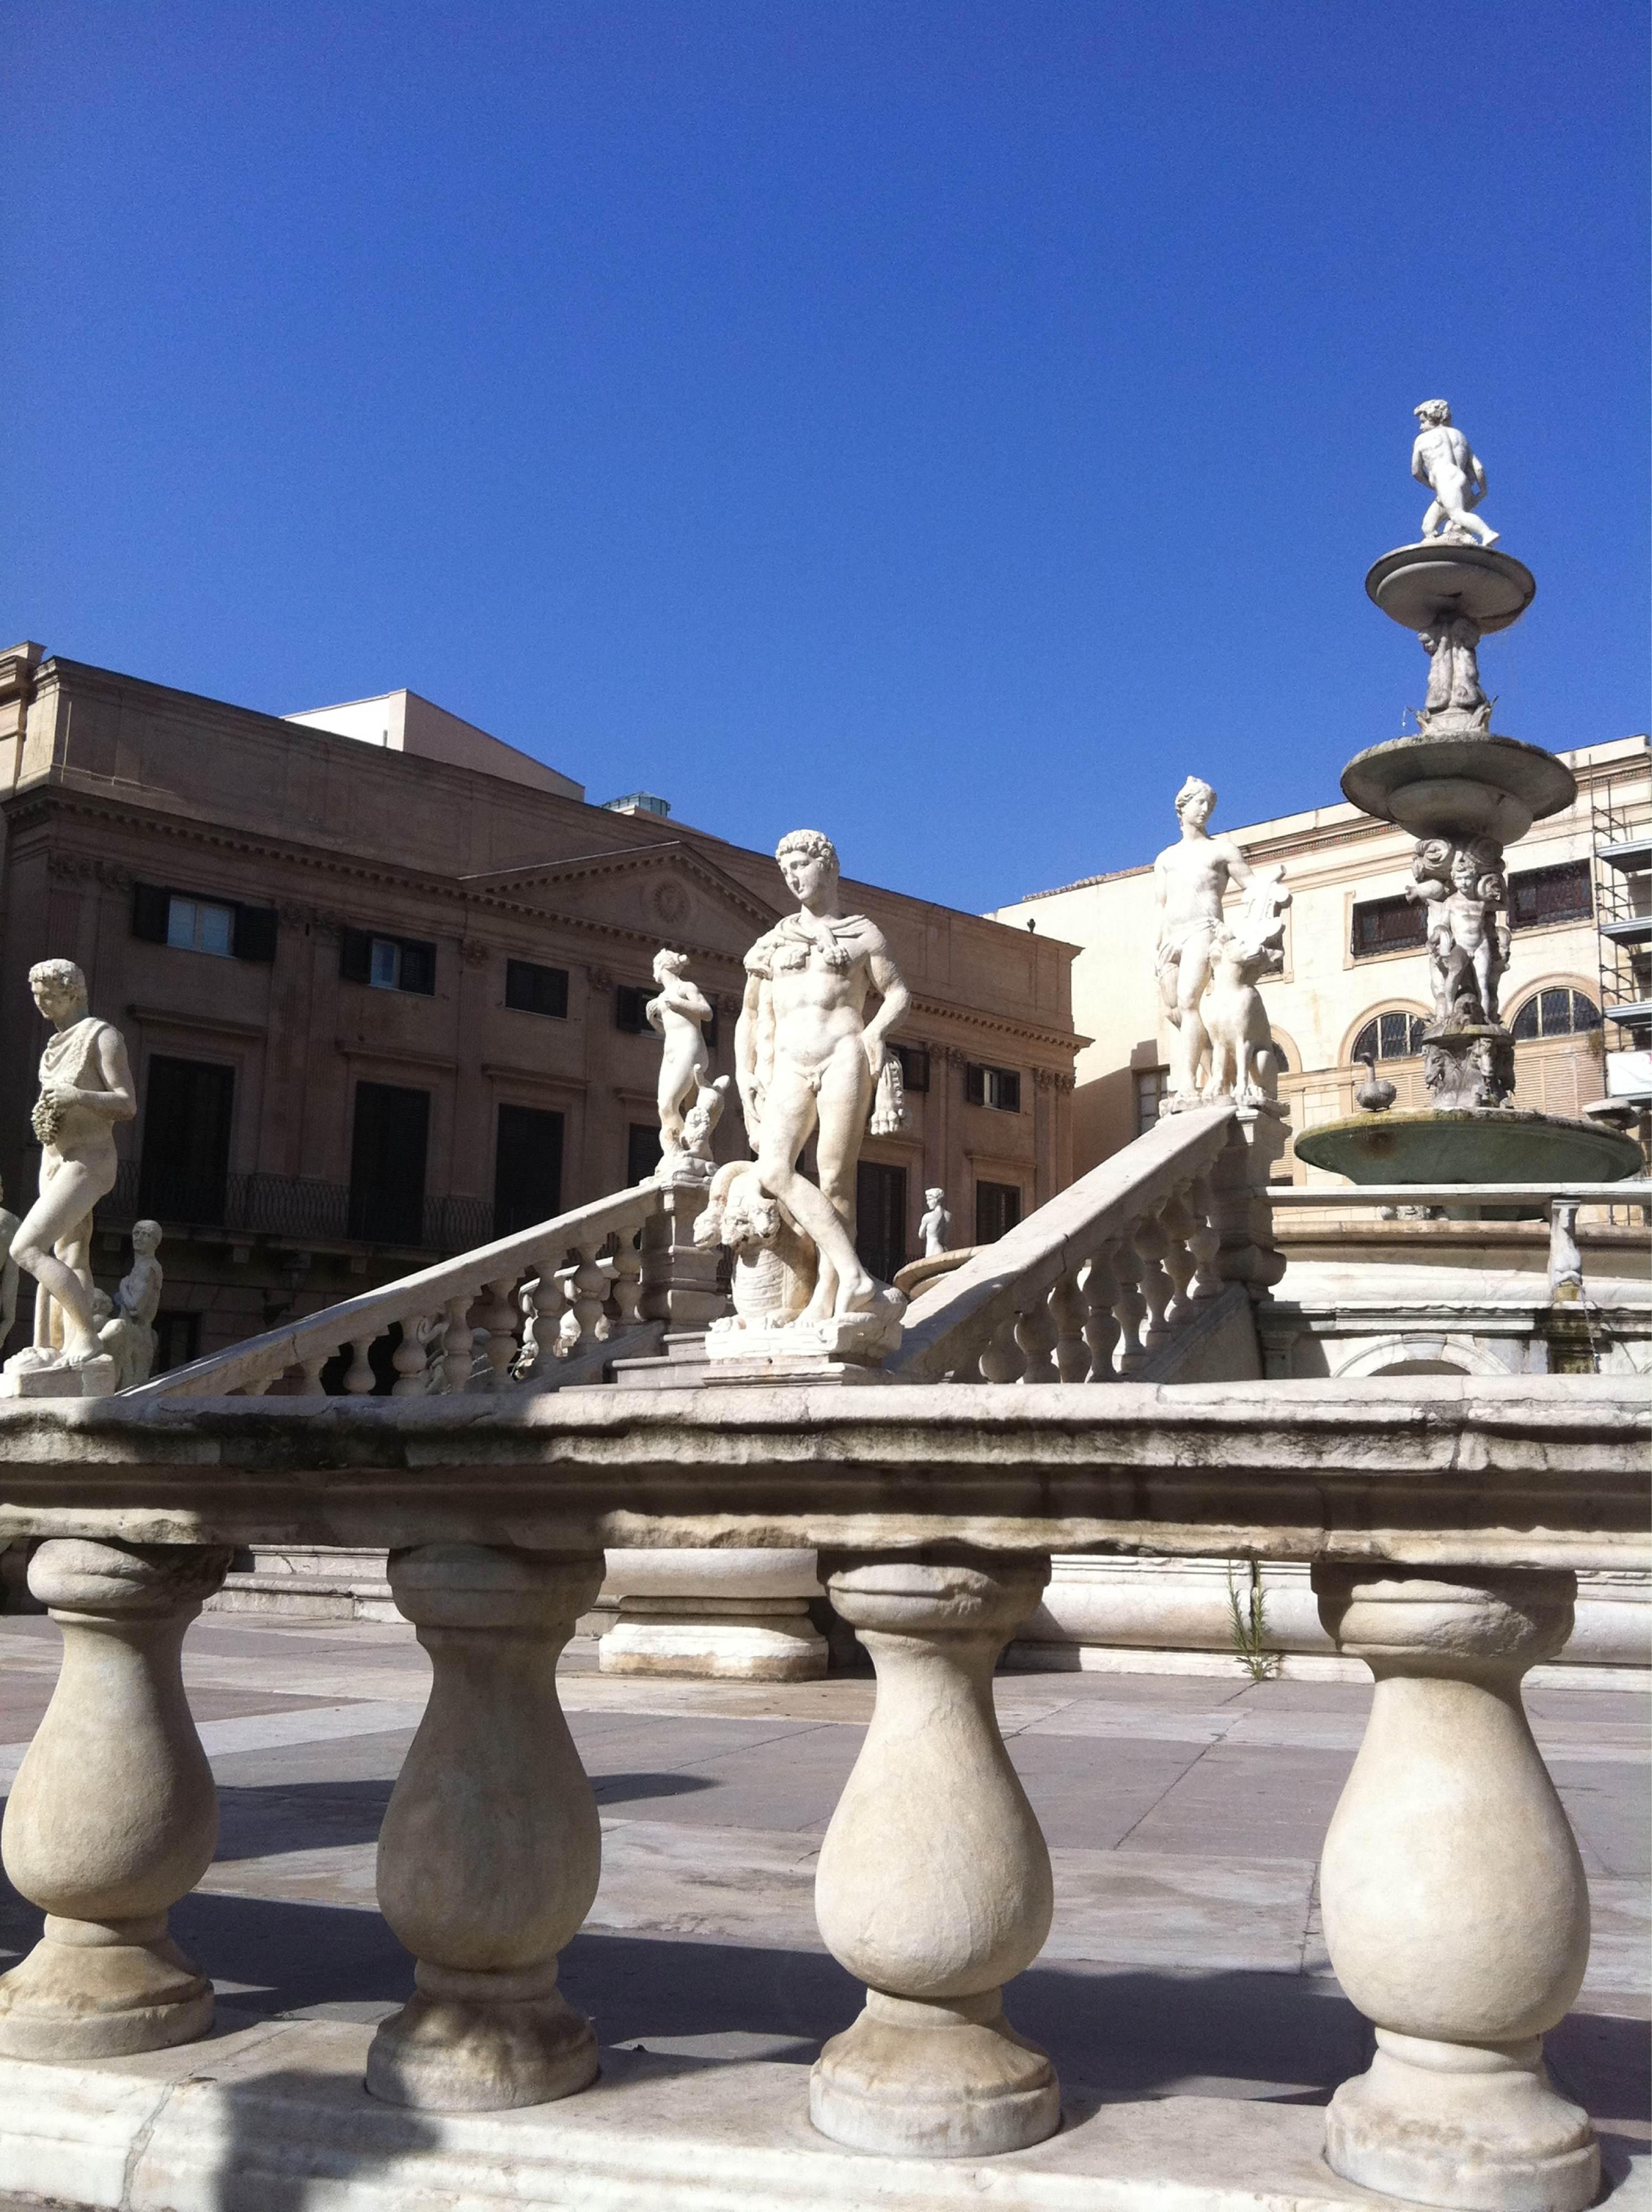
{"x":300,"y":1207}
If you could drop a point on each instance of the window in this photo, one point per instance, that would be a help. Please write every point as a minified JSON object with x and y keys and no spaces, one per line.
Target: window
{"x":1389,"y":1037}
{"x":1538,"y":895}
{"x":1388,"y":925}
{"x":631,"y":1004}
{"x":527,"y":1168}
{"x":880,"y":1217}
{"x":641,"y":1151}
{"x":998,"y":1209}
{"x":177,"y":1339}
{"x":387,"y":1154}
{"x":388,"y":963}
{"x":996,"y":1087}
{"x":914,"y":1065}
{"x":535,"y":990}
{"x":1151,"y":1085}
{"x":189,"y":924}
{"x":1560,"y":1012}
{"x":185,"y":1167}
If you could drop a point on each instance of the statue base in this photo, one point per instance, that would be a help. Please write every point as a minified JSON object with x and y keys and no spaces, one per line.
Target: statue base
{"x":1473,"y":1066}
{"x":96,"y":1380}
{"x":679,"y":1169}
{"x":799,"y":1347}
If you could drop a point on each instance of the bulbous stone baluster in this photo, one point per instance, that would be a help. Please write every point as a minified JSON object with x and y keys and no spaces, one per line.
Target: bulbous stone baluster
{"x":490,"y":1848}
{"x":409,"y":1360}
{"x":933,"y":1884}
{"x":359,"y":1377}
{"x":500,"y":1317}
{"x":1152,"y":1244}
{"x":311,"y":1385}
{"x":1101,"y":1291}
{"x":1035,"y":1334}
{"x":1131,"y":1308}
{"x":587,"y":1293}
{"x":113,"y":1816}
{"x":626,"y":1269}
{"x":1205,"y":1241}
{"x":1177,"y":1217}
{"x":1456,"y":1911}
{"x":1069,"y":1310}
{"x":1002,"y":1358}
{"x":457,"y":1340}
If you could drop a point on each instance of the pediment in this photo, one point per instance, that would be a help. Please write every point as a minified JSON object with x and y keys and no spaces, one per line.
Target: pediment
{"x":667,"y":892}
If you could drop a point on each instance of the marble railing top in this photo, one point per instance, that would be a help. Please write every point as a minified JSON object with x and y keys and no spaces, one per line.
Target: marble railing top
{"x":1061,"y":1235}
{"x":260,"y":1358}
{"x":1431,"y":1470}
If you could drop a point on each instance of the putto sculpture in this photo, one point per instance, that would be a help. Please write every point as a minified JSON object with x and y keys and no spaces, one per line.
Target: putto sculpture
{"x":1190,"y":881}
{"x":86,"y":1087}
{"x":1442,"y":458}
{"x":675,"y":1013}
{"x":935,"y":1224}
{"x":809,"y":1064}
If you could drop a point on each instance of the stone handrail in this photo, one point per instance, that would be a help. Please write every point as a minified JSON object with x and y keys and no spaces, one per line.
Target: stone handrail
{"x":1094,"y":1284}
{"x":445,"y":1343}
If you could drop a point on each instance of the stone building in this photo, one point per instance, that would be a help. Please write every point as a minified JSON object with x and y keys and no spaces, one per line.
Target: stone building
{"x":383,"y":978}
{"x":1354,"y":979}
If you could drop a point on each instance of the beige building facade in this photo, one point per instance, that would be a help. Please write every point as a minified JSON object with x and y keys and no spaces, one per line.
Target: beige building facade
{"x":383,"y":986}
{"x":1355,"y":978}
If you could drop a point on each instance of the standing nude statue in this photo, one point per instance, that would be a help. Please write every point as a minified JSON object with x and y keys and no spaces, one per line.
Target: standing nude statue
{"x":807,"y":1062}
{"x":1190,"y":880}
{"x":86,"y":1087}
{"x":676,"y":1014}
{"x":1443,"y":460}
{"x":935,"y":1225}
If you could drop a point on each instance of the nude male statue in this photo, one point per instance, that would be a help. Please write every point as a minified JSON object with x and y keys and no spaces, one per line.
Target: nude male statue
{"x":1190,"y":880}
{"x":1443,"y":460}
{"x":807,"y":1060}
{"x":86,"y":1087}
{"x":935,"y":1224}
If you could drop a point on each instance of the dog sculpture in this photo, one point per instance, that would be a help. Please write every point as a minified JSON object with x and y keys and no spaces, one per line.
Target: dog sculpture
{"x":774,"y":1264}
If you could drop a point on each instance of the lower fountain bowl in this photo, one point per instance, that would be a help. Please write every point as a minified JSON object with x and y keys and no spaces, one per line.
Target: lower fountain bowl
{"x":1476,"y":1144}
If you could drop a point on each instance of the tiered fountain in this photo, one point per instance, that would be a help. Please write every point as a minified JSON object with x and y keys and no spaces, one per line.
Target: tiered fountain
{"x":1464,"y":793}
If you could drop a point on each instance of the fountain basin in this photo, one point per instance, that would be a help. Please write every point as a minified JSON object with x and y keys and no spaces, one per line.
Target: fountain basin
{"x":1480,"y":1144}
{"x":1470,"y":784}
{"x":1416,"y":585}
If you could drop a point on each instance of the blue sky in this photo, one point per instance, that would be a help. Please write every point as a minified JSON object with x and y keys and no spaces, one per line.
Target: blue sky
{"x":944,"y":424}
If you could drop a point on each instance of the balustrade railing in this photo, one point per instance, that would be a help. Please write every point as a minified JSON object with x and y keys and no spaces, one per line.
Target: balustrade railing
{"x":1098,"y":1284}
{"x":495,"y":1317}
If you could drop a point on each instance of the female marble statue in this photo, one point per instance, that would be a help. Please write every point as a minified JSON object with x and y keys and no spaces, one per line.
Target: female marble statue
{"x":676,"y":1014}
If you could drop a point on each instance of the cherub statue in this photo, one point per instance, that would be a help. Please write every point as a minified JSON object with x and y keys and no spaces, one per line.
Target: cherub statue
{"x":935,"y":1224}
{"x":1467,"y":941}
{"x":86,"y":1087}
{"x":809,"y":1063}
{"x":1443,"y":460}
{"x":675,"y":1013}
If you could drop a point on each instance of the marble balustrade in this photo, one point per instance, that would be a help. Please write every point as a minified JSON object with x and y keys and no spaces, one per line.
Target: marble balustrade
{"x":1455,"y":1908}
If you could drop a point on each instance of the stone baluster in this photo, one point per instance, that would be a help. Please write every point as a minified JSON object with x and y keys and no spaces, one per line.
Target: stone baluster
{"x":1131,"y":1307}
{"x":1204,"y":1241}
{"x":625,"y":1278}
{"x":587,"y":1293}
{"x":1069,"y":1310}
{"x":1002,"y":1358}
{"x":309,"y":1369}
{"x":1100,"y":1288}
{"x":457,"y":1341}
{"x":359,"y":1377}
{"x":112,"y":1817}
{"x":1455,"y":1908}
{"x":257,"y":1388}
{"x":500,"y":1317}
{"x":1177,"y":1216}
{"x":409,"y":1360}
{"x":1036,"y":1333}
{"x":1151,"y":1243}
{"x":933,"y":1884}
{"x":490,"y":1848}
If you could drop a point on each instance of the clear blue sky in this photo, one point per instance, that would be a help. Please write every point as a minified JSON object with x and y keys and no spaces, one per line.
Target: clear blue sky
{"x":942,"y":424}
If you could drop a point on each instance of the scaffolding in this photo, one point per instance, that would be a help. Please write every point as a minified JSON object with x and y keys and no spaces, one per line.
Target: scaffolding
{"x":1622,"y":845}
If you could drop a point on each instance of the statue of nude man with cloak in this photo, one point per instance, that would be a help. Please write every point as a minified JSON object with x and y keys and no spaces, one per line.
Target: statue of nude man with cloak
{"x":1190,"y":880}
{"x":808,"y":1063}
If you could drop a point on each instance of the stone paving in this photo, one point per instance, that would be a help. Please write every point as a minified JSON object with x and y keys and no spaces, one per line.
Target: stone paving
{"x":1184,"y":1815}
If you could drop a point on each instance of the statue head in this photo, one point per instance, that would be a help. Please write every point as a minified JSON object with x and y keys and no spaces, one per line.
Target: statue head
{"x":103,"y":1308}
{"x":146,"y":1239}
{"x":1464,"y":869}
{"x":808,"y":860}
{"x":667,"y":962}
{"x":1433,"y":414}
{"x":1198,"y":797}
{"x":59,"y":985}
{"x":934,"y":1198}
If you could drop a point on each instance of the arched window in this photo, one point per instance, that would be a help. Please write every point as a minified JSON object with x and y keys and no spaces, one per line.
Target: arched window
{"x":1394,"y":1036}
{"x":1558,"y":1012}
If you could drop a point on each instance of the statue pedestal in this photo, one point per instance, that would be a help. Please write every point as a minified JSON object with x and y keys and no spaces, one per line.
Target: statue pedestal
{"x":96,"y":1380}
{"x":805,"y":1348}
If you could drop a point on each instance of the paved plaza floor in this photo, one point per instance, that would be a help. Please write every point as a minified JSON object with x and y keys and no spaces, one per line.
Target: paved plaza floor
{"x":1184,"y":1816}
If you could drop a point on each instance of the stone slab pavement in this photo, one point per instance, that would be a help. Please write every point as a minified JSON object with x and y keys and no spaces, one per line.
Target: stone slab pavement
{"x":1184,"y":1815}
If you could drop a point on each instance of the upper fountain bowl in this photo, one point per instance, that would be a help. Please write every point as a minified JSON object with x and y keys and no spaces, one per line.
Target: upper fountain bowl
{"x":1416,"y":585}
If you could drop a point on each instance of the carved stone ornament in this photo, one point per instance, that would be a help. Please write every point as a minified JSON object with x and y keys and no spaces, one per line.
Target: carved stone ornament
{"x":1470,"y":1067}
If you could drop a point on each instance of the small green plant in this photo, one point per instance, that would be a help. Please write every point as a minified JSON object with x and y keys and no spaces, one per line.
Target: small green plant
{"x":1248,"y":1620}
